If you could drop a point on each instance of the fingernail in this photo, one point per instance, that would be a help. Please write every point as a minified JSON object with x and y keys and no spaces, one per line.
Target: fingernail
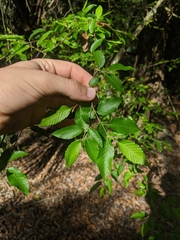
{"x":91,"y":93}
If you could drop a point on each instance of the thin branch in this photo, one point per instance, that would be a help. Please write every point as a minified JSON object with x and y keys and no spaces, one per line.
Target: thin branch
{"x":109,"y":5}
{"x":40,"y":6}
{"x":170,"y":11}
{"x":148,"y":17}
{"x":70,"y":5}
{"x":27,"y":4}
{"x":51,"y":3}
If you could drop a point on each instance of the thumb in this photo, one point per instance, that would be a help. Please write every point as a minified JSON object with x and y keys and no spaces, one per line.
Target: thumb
{"x":70,"y":88}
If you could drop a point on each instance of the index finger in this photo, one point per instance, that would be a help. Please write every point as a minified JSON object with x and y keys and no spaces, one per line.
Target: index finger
{"x":64,"y":69}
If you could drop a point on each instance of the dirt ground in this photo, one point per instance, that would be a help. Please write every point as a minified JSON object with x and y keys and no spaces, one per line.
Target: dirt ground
{"x":59,"y":206}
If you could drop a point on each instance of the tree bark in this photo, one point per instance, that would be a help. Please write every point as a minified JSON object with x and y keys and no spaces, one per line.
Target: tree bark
{"x":138,"y":30}
{"x":154,"y":45}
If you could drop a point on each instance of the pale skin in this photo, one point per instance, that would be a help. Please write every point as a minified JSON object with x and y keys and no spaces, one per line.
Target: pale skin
{"x":29,"y":88}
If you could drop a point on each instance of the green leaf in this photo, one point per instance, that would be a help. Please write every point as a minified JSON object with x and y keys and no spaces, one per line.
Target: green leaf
{"x":84,"y":112}
{"x":92,"y":25}
{"x":57,"y":117}
{"x":80,"y":122}
{"x":92,"y":113}
{"x":132,"y":152}
{"x":21,"y":50}
{"x":151,"y":238}
{"x":99,"y":58}
{"x":95,"y":186}
{"x":4,"y":158}
{"x":43,"y":37}
{"x":82,"y":117}
{"x":123,"y":126}
{"x":141,"y":185}
{"x":114,"y":81}
{"x":23,"y":57}
{"x":101,"y":130}
{"x":139,"y":215}
{"x":114,"y":174}
{"x":98,"y":177}
{"x":92,"y":149}
{"x":95,"y":45}
{"x":93,"y":82}
{"x":104,"y":161}
{"x":99,"y":11}
{"x":108,"y":183}
{"x":18,"y":154}
{"x":140,"y":192}
{"x":145,"y":229}
{"x":85,"y":10}
{"x":18,"y":179}
{"x":107,"y":106}
{"x":159,"y":146}
{"x":50,"y":45}
{"x":120,"y":168}
{"x":18,"y":50}
{"x":94,"y":136}
{"x":85,"y":4}
{"x":72,"y":152}
{"x":145,"y":177}
{"x":102,"y":192}
{"x":10,"y":37}
{"x":156,"y":236}
{"x":68,"y":132}
{"x":35,"y":32}
{"x":127,"y":176}
{"x":121,"y":67}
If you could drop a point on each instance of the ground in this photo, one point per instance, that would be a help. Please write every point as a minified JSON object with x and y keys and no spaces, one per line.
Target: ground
{"x":59,"y":206}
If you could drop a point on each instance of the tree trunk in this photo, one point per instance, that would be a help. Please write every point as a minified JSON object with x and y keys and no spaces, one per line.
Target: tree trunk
{"x":158,"y":45}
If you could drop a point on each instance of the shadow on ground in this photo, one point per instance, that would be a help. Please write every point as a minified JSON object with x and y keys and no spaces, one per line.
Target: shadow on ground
{"x":44,"y":152}
{"x":61,"y":219}
{"x":84,"y":216}
{"x":164,"y":220}
{"x":58,"y":215}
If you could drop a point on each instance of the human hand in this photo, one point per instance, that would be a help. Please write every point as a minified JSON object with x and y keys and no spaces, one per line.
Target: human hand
{"x":29,"y":88}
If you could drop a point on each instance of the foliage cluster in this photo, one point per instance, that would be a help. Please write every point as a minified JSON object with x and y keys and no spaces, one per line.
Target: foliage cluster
{"x":115,"y":132}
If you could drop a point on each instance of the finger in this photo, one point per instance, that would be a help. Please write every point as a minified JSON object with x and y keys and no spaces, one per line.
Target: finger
{"x":39,"y":84}
{"x":68,"y":87}
{"x":65,"y":69}
{"x":61,"y":68}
